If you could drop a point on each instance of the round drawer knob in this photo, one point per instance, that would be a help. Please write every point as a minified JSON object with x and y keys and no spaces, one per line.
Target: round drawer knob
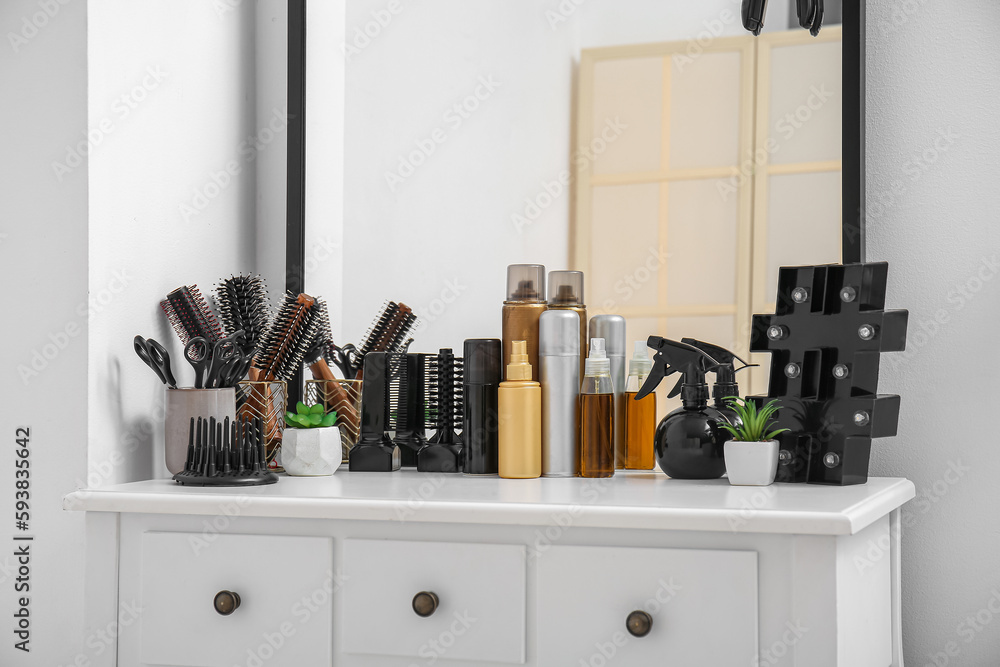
{"x":639,"y":623}
{"x":226,"y":602}
{"x":425,"y":603}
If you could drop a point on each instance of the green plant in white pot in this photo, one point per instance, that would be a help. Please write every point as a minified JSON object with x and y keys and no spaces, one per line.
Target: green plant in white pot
{"x":752,"y":454}
{"x":310,"y":446}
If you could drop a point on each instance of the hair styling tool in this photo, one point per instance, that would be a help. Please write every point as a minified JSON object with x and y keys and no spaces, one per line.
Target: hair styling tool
{"x":225,"y":454}
{"x":284,"y":344}
{"x":156,"y":357}
{"x":375,"y":451}
{"x":190,"y":315}
{"x":216,"y":365}
{"x":810,"y":15}
{"x":408,"y":409}
{"x":335,"y":394}
{"x":388,"y":333}
{"x":444,"y":392}
{"x":243,"y":306}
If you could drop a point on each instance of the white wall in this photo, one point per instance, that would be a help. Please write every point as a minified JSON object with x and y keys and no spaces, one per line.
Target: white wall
{"x":441,"y":239}
{"x":933,"y":201}
{"x":172,"y":191}
{"x":43,"y":264}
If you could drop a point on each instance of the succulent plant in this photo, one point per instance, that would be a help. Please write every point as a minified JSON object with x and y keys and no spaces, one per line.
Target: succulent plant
{"x":755,"y":423}
{"x":306,"y":416}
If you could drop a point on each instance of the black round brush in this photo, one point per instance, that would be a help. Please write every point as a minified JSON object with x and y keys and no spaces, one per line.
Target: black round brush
{"x":243,"y":305}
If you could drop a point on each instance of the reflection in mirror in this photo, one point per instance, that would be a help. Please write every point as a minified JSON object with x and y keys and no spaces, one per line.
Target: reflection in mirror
{"x":654,"y":145}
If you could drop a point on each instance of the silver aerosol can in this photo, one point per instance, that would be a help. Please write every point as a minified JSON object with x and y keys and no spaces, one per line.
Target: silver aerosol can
{"x":559,"y":358}
{"x":612,"y":329}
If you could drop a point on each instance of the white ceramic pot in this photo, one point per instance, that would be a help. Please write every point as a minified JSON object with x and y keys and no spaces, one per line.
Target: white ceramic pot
{"x":751,"y":463}
{"x":311,"y":452}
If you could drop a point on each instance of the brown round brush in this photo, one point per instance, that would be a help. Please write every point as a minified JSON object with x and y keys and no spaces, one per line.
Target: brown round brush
{"x":335,"y":396}
{"x":389,"y":332}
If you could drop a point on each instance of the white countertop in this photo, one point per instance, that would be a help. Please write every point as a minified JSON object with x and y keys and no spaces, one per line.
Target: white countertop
{"x":647,"y":500}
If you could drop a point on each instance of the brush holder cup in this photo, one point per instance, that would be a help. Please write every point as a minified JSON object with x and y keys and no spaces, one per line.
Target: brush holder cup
{"x":265,"y":401}
{"x":181,"y":406}
{"x":344,"y":397}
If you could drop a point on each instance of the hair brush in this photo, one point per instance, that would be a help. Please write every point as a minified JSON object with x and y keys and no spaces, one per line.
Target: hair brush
{"x":334,"y":395}
{"x":190,"y":315}
{"x":243,"y":305}
{"x":389,"y":333}
{"x":284,"y":345}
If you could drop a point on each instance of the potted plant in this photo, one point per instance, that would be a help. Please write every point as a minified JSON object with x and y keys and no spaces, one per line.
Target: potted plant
{"x":752,"y":454}
{"x":311,"y":446}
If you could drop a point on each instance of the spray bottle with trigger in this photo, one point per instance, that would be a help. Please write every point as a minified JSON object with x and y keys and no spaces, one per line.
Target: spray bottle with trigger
{"x":725,"y":376}
{"x":688,"y":441}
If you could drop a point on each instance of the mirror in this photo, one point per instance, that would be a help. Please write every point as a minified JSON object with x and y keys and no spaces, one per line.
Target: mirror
{"x":656,"y":145}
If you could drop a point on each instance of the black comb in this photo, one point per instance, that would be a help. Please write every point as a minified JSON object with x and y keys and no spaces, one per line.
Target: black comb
{"x":226,"y":454}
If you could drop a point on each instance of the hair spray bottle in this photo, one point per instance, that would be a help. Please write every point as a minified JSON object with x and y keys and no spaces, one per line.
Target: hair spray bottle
{"x":524,"y":305}
{"x":559,"y":356}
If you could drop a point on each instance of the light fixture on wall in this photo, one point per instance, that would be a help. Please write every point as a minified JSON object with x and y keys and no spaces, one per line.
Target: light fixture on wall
{"x":810,"y":15}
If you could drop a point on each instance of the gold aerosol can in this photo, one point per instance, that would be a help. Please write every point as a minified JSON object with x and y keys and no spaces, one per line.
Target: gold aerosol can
{"x":566,"y":293}
{"x":524,"y":305}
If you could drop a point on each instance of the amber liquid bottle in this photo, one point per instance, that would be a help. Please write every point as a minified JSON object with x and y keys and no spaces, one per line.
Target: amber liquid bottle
{"x":597,"y":415}
{"x":640,"y":416}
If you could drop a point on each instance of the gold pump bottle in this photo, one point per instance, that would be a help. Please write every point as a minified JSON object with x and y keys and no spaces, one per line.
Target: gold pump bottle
{"x":566,"y":293}
{"x":520,"y":411}
{"x":524,"y":306}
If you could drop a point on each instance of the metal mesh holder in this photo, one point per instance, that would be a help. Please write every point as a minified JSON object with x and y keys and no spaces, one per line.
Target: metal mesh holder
{"x":319,"y":392}
{"x":267,"y":401}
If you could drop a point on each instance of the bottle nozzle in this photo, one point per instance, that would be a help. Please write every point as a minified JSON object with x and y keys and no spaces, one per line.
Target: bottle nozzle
{"x":640,"y":364}
{"x":598,"y":362}
{"x":519,"y":368}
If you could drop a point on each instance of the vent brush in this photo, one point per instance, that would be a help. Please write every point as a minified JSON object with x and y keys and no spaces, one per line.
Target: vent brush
{"x":242,"y":303}
{"x":190,"y":315}
{"x":284,"y":345}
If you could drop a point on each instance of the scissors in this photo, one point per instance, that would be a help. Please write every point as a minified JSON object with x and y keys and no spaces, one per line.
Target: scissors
{"x":155,"y":356}
{"x":211,"y":363}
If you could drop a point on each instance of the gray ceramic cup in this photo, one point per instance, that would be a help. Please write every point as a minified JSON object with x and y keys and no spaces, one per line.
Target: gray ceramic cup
{"x":182,"y":405}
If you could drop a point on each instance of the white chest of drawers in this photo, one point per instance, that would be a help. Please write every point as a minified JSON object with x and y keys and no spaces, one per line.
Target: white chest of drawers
{"x":403,"y":569}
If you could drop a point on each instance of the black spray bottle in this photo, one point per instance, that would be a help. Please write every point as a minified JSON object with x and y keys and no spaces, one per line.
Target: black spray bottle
{"x":689,"y":442}
{"x":725,"y":376}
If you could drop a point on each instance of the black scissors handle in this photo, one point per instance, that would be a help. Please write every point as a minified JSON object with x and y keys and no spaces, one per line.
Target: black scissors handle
{"x":199,"y":354}
{"x":155,"y":356}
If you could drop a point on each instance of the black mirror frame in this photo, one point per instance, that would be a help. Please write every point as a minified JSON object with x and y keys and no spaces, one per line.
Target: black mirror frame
{"x":853,"y":153}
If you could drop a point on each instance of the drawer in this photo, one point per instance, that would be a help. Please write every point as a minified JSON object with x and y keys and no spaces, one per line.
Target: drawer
{"x":480,"y":591}
{"x":285,"y":612}
{"x":703,"y":606}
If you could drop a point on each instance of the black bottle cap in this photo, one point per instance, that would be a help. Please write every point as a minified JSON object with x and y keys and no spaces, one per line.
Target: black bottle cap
{"x":483,"y":360}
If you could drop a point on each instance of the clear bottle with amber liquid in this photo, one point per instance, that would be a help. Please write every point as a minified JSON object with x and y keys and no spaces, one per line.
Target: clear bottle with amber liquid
{"x":640,"y":416}
{"x":597,"y":415}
